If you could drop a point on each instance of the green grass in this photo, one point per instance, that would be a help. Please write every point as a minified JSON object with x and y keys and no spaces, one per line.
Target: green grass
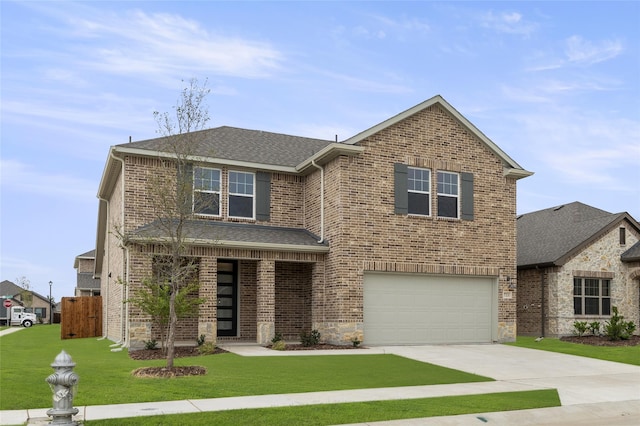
{"x":105,"y":376}
{"x":332,"y":414}
{"x":623,"y":354}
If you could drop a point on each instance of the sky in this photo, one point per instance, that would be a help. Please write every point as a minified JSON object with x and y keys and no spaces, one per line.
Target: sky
{"x":556,"y":85}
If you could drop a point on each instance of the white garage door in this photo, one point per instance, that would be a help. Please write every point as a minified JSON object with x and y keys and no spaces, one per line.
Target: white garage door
{"x":403,"y":309}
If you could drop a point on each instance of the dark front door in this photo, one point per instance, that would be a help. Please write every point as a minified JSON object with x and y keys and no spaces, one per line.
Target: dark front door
{"x":227,"y":298}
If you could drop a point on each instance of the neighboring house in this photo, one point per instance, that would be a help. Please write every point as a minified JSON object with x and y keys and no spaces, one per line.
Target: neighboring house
{"x":38,"y":304}
{"x":574,"y":263}
{"x":402,"y":234}
{"x":86,"y":284}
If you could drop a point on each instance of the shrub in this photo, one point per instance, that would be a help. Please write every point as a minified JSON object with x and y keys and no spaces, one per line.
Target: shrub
{"x":151,"y":344}
{"x":617,"y":328}
{"x":277,"y":338}
{"x":356,"y":342}
{"x":594,"y":326}
{"x":206,"y":348}
{"x":279,"y":345}
{"x":310,"y":339}
{"x":201,"y":340}
{"x":580,"y":327}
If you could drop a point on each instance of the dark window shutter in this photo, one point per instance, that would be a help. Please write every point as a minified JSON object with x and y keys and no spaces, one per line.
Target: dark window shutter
{"x":401,"y":188}
{"x":467,"y":196}
{"x":263,"y":196}
{"x":185,"y":184}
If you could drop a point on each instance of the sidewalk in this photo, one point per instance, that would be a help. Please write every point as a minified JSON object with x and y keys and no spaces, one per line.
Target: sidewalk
{"x":592,"y":392}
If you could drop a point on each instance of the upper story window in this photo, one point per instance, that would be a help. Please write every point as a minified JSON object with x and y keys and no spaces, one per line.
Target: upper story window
{"x":591,"y":296}
{"x":623,"y":236}
{"x":418,"y":185}
{"x":241,"y":194}
{"x":448,"y":194}
{"x":206,"y":191}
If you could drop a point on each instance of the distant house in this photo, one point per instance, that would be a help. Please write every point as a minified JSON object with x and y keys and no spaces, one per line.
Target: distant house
{"x":402,"y":234}
{"x":574,"y":263}
{"x":86,"y":284}
{"x":38,"y":304}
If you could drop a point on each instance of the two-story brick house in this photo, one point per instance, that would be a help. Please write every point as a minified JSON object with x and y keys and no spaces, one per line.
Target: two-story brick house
{"x":404,"y":233}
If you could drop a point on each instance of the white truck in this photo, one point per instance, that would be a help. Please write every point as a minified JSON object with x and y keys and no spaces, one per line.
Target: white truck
{"x":17,"y":315}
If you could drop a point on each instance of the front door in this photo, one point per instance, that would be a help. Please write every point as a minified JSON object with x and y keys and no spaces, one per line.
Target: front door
{"x":227,"y":298}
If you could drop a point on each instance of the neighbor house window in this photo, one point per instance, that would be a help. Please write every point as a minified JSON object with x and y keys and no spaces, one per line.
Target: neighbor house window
{"x":206,"y":191}
{"x":448,"y":194}
{"x":419,"y":181}
{"x":41,"y":313}
{"x":591,"y":296}
{"x":241,"y":194}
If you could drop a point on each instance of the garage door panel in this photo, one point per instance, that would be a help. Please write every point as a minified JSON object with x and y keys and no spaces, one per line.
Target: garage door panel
{"x":418,"y":309}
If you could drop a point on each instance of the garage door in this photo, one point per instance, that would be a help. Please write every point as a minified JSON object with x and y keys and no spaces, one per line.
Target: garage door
{"x":404,"y":309}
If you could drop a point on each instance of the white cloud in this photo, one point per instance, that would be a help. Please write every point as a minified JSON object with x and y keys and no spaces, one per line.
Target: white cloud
{"x":157,"y":45}
{"x":21,"y":177}
{"x":583,"y":51}
{"x":507,"y":22}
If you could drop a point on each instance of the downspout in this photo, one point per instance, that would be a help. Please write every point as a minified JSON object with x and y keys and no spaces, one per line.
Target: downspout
{"x":108,"y":287}
{"x":313,"y":163}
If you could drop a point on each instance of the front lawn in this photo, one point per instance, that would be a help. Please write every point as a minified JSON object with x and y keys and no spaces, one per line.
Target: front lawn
{"x":105,"y":376}
{"x":623,"y":354}
{"x":333,"y":414}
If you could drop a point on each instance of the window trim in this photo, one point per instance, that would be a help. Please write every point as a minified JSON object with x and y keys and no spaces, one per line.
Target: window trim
{"x":439,"y":194}
{"x":414,"y":191}
{"x":207,"y":191}
{"x":583,"y":296}
{"x":230,"y":194}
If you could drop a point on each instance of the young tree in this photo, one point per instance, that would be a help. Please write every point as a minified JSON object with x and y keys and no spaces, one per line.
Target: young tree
{"x":26,"y":296}
{"x":175,"y":270}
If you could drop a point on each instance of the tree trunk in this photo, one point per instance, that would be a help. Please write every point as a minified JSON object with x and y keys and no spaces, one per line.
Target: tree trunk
{"x":171,"y":336}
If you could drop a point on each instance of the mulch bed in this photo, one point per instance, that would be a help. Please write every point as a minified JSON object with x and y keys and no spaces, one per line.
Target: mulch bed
{"x":176,"y":371}
{"x":601,"y":340}
{"x":319,"y":347}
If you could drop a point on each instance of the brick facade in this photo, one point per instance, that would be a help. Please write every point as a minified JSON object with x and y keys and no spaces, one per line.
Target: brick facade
{"x":289,"y":292}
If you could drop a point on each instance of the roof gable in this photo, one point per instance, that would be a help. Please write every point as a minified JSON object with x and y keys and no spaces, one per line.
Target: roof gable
{"x":552,"y":236}
{"x":512,"y":168}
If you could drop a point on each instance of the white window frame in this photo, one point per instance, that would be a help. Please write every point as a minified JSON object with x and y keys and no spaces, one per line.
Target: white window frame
{"x":207,"y":191}
{"x":419,"y":191}
{"x":446,"y":194}
{"x":239,"y":194}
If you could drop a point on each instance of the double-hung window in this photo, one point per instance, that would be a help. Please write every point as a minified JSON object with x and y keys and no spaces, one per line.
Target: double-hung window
{"x":419,"y":184}
{"x":591,"y":296}
{"x":448,"y":195}
{"x":241,"y":194}
{"x":206,"y":191}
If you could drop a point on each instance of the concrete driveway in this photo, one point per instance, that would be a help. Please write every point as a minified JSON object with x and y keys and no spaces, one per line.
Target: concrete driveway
{"x":578,"y":380}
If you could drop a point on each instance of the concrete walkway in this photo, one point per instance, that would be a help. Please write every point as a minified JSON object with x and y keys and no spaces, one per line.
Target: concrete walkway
{"x":592,"y":392}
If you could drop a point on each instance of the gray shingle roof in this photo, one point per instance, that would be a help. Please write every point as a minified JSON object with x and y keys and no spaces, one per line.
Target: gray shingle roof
{"x":253,"y":146}
{"x":633,"y":254}
{"x":227,"y":233}
{"x":547,"y":236}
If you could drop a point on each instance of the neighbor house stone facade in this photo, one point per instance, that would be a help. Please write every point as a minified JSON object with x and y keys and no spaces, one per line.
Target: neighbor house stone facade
{"x":327,"y":219}
{"x":572,"y":242}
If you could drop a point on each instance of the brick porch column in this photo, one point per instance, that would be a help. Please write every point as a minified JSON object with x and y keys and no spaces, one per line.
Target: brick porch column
{"x":207,"y":316}
{"x":266,"y":301}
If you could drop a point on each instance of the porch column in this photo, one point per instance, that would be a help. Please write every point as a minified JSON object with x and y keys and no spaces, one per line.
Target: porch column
{"x":266,"y":301}
{"x":207,"y":316}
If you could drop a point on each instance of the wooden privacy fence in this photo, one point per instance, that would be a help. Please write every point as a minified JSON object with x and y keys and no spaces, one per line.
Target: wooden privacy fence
{"x":81,"y":317}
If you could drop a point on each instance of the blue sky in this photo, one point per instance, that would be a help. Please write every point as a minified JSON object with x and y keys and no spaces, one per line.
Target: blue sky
{"x":555,"y":84}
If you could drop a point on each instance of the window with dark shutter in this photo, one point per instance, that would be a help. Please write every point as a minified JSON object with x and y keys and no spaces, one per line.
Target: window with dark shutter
{"x":467,"y":196}
{"x":400,"y":188}
{"x":263,"y":196}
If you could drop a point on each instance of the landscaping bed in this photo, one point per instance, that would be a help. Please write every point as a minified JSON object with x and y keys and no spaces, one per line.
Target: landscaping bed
{"x":601,"y":340}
